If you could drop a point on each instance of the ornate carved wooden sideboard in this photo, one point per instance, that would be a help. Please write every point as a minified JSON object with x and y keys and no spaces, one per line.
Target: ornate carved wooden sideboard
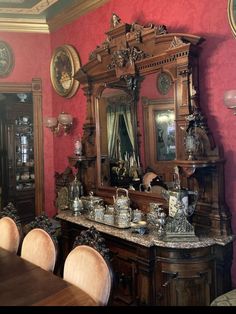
{"x":153,"y":272}
{"x":146,"y":71}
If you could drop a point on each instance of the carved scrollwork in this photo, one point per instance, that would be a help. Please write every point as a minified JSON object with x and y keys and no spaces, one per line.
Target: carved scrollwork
{"x":10,"y":211}
{"x":160,"y":29}
{"x":120,"y":58}
{"x":42,"y":222}
{"x":93,"y":238}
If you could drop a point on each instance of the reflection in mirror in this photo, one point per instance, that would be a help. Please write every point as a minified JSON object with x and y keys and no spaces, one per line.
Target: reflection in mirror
{"x":157,"y":120}
{"x":165,"y":130}
{"x":119,"y":138}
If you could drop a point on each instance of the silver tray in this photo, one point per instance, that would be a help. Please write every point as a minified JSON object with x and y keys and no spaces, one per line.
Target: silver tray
{"x":104,"y":223}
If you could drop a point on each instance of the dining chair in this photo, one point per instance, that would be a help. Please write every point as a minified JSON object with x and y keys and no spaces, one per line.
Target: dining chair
{"x":10,"y":235}
{"x":39,"y":248}
{"x":225,"y":299}
{"x":89,"y":269}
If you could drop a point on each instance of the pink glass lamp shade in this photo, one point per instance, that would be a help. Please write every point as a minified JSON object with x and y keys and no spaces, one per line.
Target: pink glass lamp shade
{"x":230,"y":99}
{"x":61,"y":124}
{"x":65,"y":118}
{"x":51,"y":122}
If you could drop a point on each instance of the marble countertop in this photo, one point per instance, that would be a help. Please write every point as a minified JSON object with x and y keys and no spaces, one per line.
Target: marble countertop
{"x":147,"y":240}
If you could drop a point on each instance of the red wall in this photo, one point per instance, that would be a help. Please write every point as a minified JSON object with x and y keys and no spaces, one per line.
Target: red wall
{"x":32,"y":54}
{"x":217,"y":72}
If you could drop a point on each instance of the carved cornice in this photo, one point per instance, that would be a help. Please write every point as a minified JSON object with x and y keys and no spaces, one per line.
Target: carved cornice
{"x":93,"y":238}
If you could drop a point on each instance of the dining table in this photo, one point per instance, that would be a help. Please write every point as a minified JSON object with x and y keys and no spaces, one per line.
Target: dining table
{"x":25,"y":284}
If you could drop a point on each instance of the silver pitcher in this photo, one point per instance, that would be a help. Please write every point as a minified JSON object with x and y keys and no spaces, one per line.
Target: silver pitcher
{"x":186,"y":197}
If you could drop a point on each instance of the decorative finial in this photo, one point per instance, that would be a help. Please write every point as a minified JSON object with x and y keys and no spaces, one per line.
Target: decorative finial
{"x":115,"y":20}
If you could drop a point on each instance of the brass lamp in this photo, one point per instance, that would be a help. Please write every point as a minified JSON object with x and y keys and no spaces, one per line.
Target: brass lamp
{"x":230,"y":99}
{"x":62,"y":124}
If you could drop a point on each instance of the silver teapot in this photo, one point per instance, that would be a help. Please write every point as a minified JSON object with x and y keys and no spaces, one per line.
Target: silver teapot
{"x":90,"y":202}
{"x":121,"y":201}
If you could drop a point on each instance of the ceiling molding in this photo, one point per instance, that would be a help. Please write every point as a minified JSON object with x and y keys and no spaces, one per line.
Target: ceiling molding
{"x":24,"y":26}
{"x":74,"y":12}
{"x":66,"y":16}
{"x":38,"y":8}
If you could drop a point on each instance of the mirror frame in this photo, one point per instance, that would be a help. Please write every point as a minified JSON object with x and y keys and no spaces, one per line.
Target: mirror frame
{"x":36,"y":89}
{"x":143,"y":50}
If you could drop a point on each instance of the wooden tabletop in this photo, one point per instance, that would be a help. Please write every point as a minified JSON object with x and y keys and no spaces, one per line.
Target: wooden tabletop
{"x":25,"y":284}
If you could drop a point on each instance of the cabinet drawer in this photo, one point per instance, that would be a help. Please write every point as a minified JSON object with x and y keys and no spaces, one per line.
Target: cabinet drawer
{"x":183,"y":254}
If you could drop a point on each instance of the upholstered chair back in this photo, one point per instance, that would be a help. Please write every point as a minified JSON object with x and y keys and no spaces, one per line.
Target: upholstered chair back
{"x":86,"y":268}
{"x":9,"y":234}
{"x":39,"y":249}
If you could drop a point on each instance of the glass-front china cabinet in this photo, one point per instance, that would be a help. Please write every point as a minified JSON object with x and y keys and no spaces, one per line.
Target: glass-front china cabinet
{"x":19,"y":187}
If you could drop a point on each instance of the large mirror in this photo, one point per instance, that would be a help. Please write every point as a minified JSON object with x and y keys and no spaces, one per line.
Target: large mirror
{"x":141,"y":84}
{"x":118,"y":138}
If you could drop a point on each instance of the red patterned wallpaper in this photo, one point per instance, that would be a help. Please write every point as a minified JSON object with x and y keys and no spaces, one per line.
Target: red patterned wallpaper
{"x":217,"y":72}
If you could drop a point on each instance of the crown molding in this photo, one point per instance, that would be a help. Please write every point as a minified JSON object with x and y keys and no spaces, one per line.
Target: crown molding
{"x":36,"y":9}
{"x":43,"y":26}
{"x":74,"y":12}
{"x":24,"y":26}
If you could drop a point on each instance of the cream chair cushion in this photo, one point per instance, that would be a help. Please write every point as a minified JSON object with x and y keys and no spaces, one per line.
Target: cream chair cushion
{"x":226,"y":299}
{"x":9,"y":234}
{"x":39,"y":249}
{"x":86,"y":268}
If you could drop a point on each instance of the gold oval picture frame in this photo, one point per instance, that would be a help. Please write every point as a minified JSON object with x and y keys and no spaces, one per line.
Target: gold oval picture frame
{"x":231,"y":10}
{"x":65,"y":63}
{"x":6,"y":59}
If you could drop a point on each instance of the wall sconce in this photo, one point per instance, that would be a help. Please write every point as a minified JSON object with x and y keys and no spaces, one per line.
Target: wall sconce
{"x":61,"y":124}
{"x":230,"y":99}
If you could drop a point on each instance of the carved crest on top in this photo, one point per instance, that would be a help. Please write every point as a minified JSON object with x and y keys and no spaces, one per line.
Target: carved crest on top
{"x":115,"y":20}
{"x":120,"y":58}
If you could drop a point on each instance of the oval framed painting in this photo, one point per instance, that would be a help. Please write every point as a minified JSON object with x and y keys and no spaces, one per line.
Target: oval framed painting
{"x":232,"y":15}
{"x":6,"y":59}
{"x":65,"y":63}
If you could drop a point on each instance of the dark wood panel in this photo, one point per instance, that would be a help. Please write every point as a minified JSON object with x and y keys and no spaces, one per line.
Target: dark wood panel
{"x":159,"y":275}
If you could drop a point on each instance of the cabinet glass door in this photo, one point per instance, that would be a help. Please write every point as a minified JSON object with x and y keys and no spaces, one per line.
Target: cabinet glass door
{"x":24,"y":152}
